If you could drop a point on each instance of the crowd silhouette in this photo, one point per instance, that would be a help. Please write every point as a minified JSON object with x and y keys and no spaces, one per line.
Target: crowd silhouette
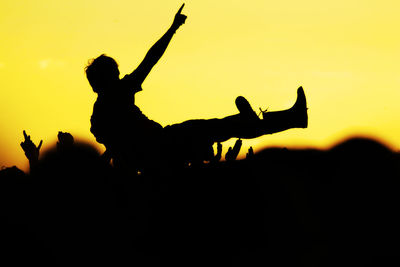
{"x":162,"y":196}
{"x":279,"y":206}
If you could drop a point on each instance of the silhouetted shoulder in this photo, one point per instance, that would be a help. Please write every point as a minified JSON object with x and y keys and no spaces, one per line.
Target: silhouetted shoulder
{"x":131,"y":82}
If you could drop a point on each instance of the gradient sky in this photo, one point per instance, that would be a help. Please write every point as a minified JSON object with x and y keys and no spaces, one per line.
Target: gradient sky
{"x":345,"y":53}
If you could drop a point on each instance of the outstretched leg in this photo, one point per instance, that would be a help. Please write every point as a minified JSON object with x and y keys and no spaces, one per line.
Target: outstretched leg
{"x":189,"y":138}
{"x":247,"y":125}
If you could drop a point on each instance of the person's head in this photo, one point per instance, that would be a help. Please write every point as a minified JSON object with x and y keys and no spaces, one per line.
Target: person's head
{"x":102,"y":72}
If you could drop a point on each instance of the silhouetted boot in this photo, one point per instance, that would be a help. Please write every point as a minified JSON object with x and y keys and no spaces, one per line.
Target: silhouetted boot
{"x":300,"y":109}
{"x":245,"y":109}
{"x":248,"y":125}
{"x":295,"y":117}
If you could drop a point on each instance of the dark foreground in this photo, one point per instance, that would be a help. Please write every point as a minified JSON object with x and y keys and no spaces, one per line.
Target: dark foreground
{"x":280,"y":208}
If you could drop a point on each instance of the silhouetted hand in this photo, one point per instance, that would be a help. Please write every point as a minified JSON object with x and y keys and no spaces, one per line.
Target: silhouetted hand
{"x":250,"y":154}
{"x":219,"y":152}
{"x":233,"y":152}
{"x":217,"y":156}
{"x":179,"y":18}
{"x":65,"y":141}
{"x":30,"y":149}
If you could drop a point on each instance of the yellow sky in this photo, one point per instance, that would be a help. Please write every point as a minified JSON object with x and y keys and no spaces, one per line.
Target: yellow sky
{"x":345,"y":53}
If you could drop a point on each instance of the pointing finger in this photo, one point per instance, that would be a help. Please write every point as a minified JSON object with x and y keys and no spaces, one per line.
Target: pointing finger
{"x":25,"y":136}
{"x":180,"y":10}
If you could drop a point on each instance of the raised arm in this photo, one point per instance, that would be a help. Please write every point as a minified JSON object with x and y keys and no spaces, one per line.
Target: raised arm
{"x":31,"y":151}
{"x":157,"y":50}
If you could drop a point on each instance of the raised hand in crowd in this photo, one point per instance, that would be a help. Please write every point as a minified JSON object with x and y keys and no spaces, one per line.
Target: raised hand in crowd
{"x":233,"y":152}
{"x":217,"y":156}
{"x":30,"y":149}
{"x":250,"y":153}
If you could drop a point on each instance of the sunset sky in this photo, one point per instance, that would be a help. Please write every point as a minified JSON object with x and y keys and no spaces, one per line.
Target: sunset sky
{"x":345,"y":54}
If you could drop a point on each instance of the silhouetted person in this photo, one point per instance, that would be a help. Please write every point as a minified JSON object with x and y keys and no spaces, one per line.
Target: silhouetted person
{"x":131,"y":138}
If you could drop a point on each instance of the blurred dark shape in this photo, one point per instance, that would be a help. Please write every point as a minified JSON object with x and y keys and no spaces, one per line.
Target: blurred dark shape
{"x":250,"y":153}
{"x":74,"y":204}
{"x":106,"y":156}
{"x":359,"y":146}
{"x":10,"y":173}
{"x":76,"y":160}
{"x":65,"y":141}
